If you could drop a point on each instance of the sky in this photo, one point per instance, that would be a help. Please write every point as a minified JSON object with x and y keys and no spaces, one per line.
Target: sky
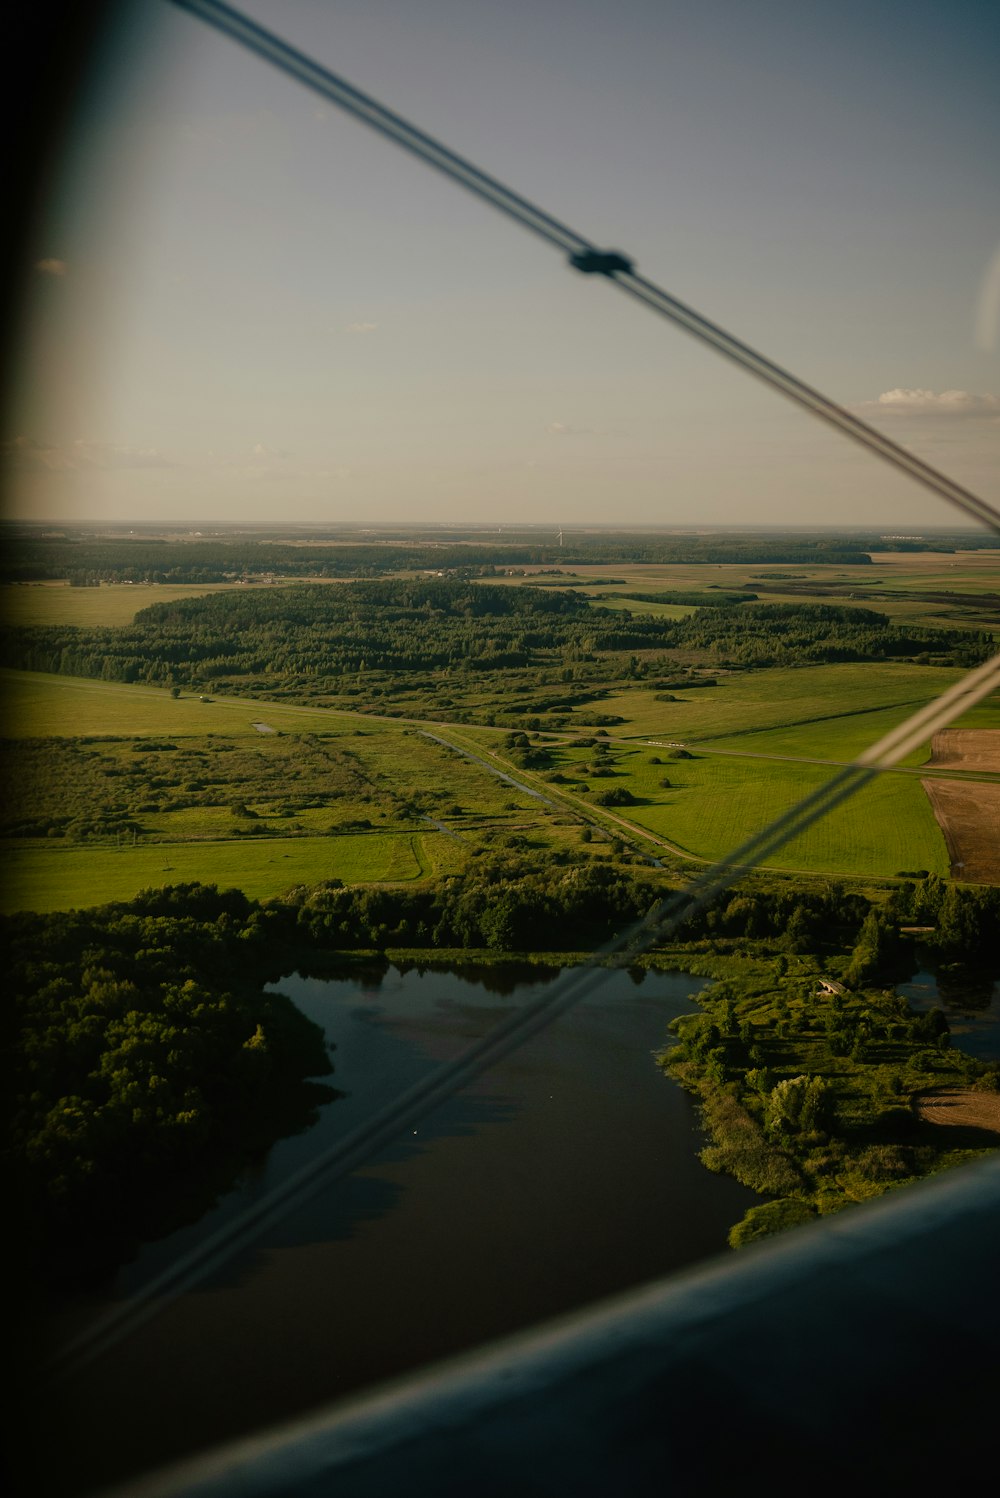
{"x":242,"y":307}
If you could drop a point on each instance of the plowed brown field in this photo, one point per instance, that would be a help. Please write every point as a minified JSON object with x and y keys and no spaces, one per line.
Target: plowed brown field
{"x":960,"y":1107}
{"x":968,"y":812}
{"x":969,"y":817}
{"x":966,"y":749}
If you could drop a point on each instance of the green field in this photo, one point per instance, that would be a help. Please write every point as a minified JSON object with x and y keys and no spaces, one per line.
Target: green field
{"x":112,"y":788}
{"x":110,"y":604}
{"x":47,"y":878}
{"x":713,"y":804}
{"x":886,"y":827}
{"x":642,"y":606}
{"x":37,"y":705}
{"x":842,"y":739}
{"x":746,"y":702}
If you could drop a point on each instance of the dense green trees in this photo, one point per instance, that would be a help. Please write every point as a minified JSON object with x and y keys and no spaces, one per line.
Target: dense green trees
{"x":87,"y":561}
{"x":375,"y":640}
{"x":143,"y":1065}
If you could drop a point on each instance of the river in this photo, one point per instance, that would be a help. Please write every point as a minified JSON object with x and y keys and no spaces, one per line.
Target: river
{"x":567,"y":1173}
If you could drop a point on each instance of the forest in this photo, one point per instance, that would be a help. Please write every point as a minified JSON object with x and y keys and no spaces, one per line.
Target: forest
{"x":378,"y":638}
{"x":86,"y":561}
{"x":144,"y":1065}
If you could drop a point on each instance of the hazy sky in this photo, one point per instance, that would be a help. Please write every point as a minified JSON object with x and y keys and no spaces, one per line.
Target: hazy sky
{"x":245,"y":307}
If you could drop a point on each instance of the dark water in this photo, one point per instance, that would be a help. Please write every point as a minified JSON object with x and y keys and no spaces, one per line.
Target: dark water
{"x":567,"y":1173}
{"x":971,"y":1004}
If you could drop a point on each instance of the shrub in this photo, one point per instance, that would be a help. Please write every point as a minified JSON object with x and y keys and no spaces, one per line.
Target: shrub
{"x":617,"y":795}
{"x":769,"y":1218}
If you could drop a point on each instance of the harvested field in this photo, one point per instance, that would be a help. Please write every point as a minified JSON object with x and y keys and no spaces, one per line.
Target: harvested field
{"x":969,"y":818}
{"x":961,"y":1107}
{"x":966,"y":749}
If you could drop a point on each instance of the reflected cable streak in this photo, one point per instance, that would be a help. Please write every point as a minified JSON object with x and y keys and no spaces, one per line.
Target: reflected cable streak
{"x":584,"y":255}
{"x":362,"y":1143}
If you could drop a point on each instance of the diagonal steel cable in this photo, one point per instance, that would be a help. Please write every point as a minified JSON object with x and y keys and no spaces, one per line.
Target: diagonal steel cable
{"x":583,"y":253}
{"x":362,"y":1143}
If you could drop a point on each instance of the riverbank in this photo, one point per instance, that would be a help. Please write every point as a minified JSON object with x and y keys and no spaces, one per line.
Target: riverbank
{"x":818,"y":1096}
{"x":568,"y":1173}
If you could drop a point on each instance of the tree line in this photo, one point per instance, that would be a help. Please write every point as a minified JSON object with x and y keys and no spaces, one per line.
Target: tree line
{"x":89,"y":560}
{"x":143,"y":1061}
{"x":315,"y":638}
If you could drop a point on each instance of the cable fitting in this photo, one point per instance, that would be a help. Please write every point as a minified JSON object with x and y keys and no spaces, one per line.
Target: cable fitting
{"x":601,"y":262}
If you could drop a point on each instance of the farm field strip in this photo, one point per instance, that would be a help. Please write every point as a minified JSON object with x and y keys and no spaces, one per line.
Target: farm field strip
{"x":839,"y":740}
{"x":970,"y":823}
{"x":714,"y":805}
{"x":711,"y":805}
{"x":742,"y":702}
{"x":40,"y":705}
{"x":605,"y":822}
{"x":111,"y":604}
{"x":640,"y":606}
{"x":986,"y":777}
{"x":754,"y":735}
{"x":47,"y":878}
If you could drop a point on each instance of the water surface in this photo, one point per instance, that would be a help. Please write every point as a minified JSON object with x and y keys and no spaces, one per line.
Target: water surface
{"x":568,"y":1172}
{"x":970,"y":1002}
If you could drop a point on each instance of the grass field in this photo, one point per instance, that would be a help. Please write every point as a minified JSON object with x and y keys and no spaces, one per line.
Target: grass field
{"x":112,"y":603}
{"x":37,"y":705}
{"x":844,"y":738}
{"x":900,"y":584}
{"x":43,"y":877}
{"x":207,"y":796}
{"x":751,"y":701}
{"x":47,"y":878}
{"x":713,"y":804}
{"x":640,"y":606}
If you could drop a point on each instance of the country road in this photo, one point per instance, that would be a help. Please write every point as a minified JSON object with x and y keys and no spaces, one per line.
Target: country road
{"x":558,"y":804}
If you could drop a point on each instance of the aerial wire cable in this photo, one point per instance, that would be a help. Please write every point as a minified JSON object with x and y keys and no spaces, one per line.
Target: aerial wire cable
{"x":669,"y":915}
{"x":583,"y":254}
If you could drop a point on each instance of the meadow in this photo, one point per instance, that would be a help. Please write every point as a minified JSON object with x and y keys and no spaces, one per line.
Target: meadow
{"x":886,"y":828}
{"x":712,"y":804}
{"x":111,"y":788}
{"x":39,"y":705}
{"x":907,"y":586}
{"x":743,"y":703}
{"x":111,"y":603}
{"x":131,"y":785}
{"x":55,"y":878}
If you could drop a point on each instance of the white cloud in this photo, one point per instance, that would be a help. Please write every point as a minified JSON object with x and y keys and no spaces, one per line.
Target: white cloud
{"x":361,"y":327}
{"x":52,"y":267}
{"x":931,"y":403}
